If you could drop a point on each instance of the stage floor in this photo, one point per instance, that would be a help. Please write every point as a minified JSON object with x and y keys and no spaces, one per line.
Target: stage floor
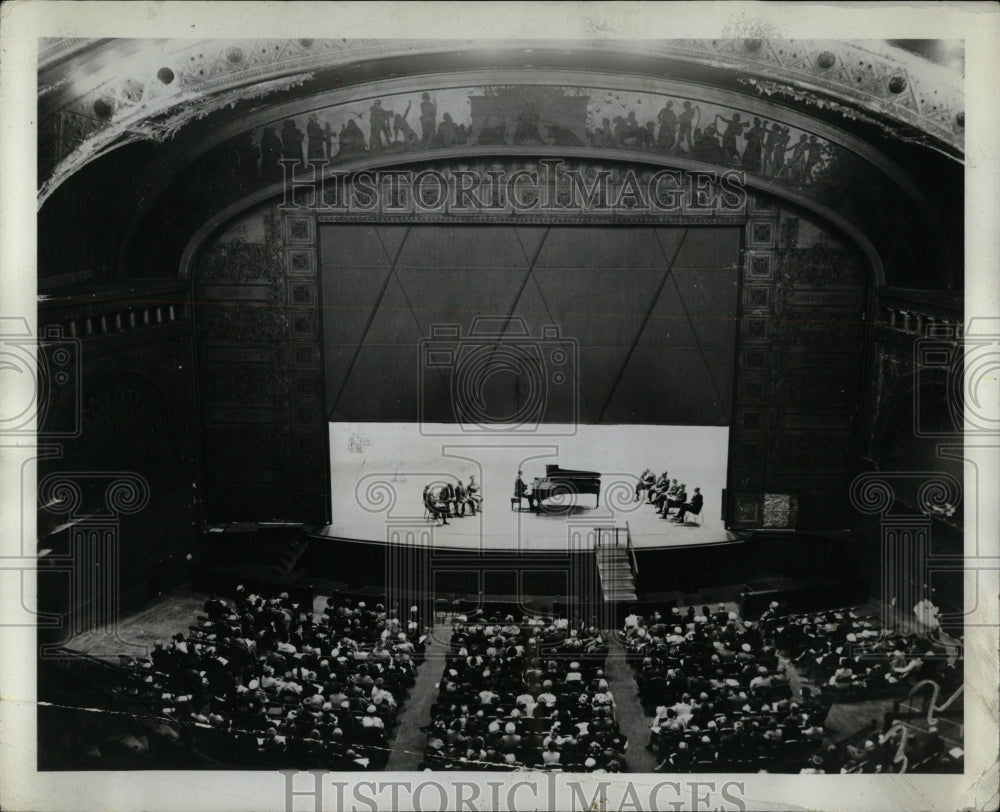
{"x":379,"y":472}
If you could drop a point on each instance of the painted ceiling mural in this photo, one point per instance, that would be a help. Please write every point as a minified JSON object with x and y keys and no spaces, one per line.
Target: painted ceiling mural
{"x":98,"y":94}
{"x":498,"y":119}
{"x":536,"y":115}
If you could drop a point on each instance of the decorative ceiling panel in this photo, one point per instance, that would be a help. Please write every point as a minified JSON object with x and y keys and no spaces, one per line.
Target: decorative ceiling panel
{"x":97,"y":95}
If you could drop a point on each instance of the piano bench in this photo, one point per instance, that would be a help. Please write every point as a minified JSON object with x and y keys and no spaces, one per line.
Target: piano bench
{"x":515,"y":501}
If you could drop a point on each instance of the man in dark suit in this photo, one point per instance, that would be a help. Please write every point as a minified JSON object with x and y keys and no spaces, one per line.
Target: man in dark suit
{"x":677,"y":500}
{"x":646,"y":481}
{"x":461,"y":499}
{"x":475,"y":498}
{"x":521,"y":491}
{"x":447,"y":496}
{"x":661,"y":492}
{"x":694,"y":506}
{"x":437,"y":509}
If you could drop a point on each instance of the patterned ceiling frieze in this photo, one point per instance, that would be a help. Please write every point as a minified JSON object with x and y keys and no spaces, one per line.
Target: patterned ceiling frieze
{"x":56,"y":48}
{"x":772,"y":147}
{"x":876,"y":77}
{"x":82,"y":115}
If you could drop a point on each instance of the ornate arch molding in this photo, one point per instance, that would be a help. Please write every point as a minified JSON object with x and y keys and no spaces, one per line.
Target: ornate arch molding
{"x":528,"y":156}
{"x":605,"y":93}
{"x":152,"y":82}
{"x":825,"y":169}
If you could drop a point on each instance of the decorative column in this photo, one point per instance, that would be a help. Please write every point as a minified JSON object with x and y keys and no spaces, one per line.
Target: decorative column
{"x":408,"y":577}
{"x":583,"y":598}
{"x":92,"y":559}
{"x":905,"y":536}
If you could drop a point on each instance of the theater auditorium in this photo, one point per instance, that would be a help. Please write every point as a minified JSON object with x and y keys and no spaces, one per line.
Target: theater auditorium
{"x":583,"y":406}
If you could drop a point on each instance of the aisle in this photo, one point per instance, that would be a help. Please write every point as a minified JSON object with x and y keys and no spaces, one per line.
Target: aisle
{"x":628,"y":710}
{"x":408,"y":745}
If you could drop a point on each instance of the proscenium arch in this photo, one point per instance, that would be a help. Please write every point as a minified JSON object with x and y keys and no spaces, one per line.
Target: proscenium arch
{"x":276,"y":191}
{"x":169,"y":168}
{"x":724,"y":57}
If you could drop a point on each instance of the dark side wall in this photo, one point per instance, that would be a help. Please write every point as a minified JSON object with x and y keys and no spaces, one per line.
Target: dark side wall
{"x":122,"y":435}
{"x":799,"y":372}
{"x":912,"y":476}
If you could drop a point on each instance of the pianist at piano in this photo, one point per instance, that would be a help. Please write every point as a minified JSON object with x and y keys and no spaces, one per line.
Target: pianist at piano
{"x":522,"y":491}
{"x":561,"y":489}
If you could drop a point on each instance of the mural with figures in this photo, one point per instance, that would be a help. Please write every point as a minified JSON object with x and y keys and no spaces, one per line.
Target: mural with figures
{"x":531,"y":115}
{"x":426,"y":125}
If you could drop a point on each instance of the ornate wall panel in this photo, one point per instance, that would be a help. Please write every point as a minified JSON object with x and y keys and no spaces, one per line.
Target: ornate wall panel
{"x":917,"y":340}
{"x":799,"y":371}
{"x":257,"y":299}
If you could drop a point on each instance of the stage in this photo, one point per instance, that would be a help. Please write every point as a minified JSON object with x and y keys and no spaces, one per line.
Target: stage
{"x":379,"y":472}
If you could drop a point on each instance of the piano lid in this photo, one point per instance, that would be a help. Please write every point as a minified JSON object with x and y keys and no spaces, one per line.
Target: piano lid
{"x":555,"y":472}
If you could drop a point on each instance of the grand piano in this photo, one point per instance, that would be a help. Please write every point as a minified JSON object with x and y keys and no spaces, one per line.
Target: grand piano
{"x":566,"y":483}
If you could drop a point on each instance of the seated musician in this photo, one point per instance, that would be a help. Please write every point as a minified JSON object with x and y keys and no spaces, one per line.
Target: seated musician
{"x":659,"y":488}
{"x":693,"y":507}
{"x":473,"y":494}
{"x":676,"y":501}
{"x":663,"y":491}
{"x":437,"y":508}
{"x":461,"y":499}
{"x":521,"y":491}
{"x":646,"y":481}
{"x":447,"y":496}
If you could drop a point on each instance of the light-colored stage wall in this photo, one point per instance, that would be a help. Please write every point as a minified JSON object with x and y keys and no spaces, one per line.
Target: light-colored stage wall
{"x":379,"y":471}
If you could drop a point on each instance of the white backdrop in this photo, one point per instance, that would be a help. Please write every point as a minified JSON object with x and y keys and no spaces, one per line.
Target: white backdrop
{"x":379,"y":471}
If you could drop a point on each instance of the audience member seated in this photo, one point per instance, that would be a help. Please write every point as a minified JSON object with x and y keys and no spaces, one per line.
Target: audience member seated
{"x":722,"y":699}
{"x":525,"y":695}
{"x":265,"y":681}
{"x":898,"y":749}
{"x":855,"y":655}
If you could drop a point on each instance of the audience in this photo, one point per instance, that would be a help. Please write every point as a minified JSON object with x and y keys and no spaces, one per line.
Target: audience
{"x":528,"y":694}
{"x":722,"y":700}
{"x":266,"y":681}
{"x":898,"y":749}
{"x":854,"y":655}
